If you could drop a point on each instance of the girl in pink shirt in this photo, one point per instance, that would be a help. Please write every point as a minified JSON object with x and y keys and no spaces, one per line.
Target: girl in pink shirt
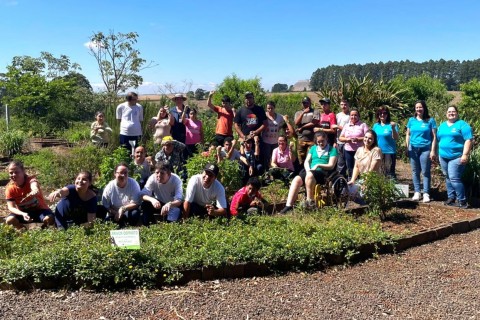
{"x":194,"y":131}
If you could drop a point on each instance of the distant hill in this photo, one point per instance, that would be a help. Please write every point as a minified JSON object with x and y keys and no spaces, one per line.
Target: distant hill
{"x":300,"y":85}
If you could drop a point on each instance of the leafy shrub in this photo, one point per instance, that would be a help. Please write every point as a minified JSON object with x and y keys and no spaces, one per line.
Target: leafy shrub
{"x":77,"y":132}
{"x":109,"y":162}
{"x":380,"y":193}
{"x":85,"y":256}
{"x":12,"y":142}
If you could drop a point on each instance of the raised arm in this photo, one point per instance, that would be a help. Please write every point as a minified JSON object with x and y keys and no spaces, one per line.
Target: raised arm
{"x":209,"y":101}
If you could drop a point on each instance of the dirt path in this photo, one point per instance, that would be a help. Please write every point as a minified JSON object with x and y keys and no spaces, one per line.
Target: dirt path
{"x":434,"y":281}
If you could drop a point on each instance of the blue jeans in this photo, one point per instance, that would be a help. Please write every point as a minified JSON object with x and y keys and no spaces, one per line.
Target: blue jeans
{"x":453,"y":171}
{"x":420,"y":162}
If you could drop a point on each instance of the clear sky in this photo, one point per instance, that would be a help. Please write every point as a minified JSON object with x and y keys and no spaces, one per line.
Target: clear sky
{"x":202,"y":42}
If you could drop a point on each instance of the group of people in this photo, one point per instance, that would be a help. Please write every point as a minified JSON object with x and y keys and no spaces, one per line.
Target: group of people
{"x":303,"y":153}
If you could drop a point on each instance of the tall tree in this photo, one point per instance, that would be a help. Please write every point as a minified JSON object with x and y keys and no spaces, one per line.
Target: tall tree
{"x":118,"y":60}
{"x":280,"y":87}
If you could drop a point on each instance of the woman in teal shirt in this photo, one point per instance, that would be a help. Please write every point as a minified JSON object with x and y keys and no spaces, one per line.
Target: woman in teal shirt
{"x":421,"y":143}
{"x":454,"y":142}
{"x":387,"y":133}
{"x":320,"y":159}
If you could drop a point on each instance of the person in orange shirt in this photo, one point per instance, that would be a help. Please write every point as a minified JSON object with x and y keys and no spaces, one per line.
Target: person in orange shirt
{"x":225,"y":115}
{"x":25,"y":200}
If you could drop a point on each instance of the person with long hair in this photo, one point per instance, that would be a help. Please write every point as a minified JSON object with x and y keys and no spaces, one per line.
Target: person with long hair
{"x":78,"y":204}
{"x":421,"y":143}
{"x":368,"y":158}
{"x":194,"y":131}
{"x":387,"y":133}
{"x":25,"y":200}
{"x":163,"y":124}
{"x":455,"y":143}
{"x":320,"y":159}
{"x":352,"y":135}
{"x":100,"y":131}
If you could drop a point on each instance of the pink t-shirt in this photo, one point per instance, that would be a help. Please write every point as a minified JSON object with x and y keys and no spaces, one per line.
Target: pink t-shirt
{"x":193,"y":130}
{"x":356,"y":130}
{"x":282,"y":159}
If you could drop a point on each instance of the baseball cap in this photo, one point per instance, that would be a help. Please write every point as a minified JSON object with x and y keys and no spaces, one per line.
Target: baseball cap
{"x":325,"y":100}
{"x":248,"y":93}
{"x":306,"y":99}
{"x":212,"y":168}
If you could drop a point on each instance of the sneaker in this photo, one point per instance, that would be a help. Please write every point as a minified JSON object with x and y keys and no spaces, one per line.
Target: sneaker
{"x":462,"y":204}
{"x":310,"y":204}
{"x":426,"y":198}
{"x":286,"y":210}
{"x":416,"y":196}
{"x":449,"y":202}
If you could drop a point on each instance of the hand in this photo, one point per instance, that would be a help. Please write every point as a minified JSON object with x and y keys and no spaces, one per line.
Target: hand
{"x":210,"y":209}
{"x":156,"y":204}
{"x":26,"y":217}
{"x":219,"y":148}
{"x":166,"y":208}
{"x":234,"y":142}
{"x":256,"y":139}
{"x":34,"y":190}
{"x":433,"y":156}
{"x":464,"y":159}
{"x":250,"y":171}
{"x":52,"y":196}
{"x":285,"y":118}
{"x":393,"y":124}
{"x":211,"y":93}
{"x":351,"y":182}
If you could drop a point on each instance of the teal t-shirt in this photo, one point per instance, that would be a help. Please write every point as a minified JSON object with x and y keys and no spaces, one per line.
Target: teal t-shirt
{"x":321,"y":156}
{"x":421,"y":132}
{"x":452,"y":138}
{"x":386,"y":143}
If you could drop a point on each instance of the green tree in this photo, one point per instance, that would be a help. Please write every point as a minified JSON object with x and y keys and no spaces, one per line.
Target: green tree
{"x":470,"y":104}
{"x":235,"y":88}
{"x":280,"y":87}
{"x":200,"y":94}
{"x":118,"y":60}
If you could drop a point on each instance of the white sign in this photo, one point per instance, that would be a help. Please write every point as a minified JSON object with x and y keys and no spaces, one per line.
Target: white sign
{"x":403,"y":189}
{"x":125,"y":239}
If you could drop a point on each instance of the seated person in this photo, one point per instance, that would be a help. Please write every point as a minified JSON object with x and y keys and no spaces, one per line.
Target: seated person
{"x":210,"y":149}
{"x":172,"y":151}
{"x":78,"y":202}
{"x":247,"y":199}
{"x":121,"y":198}
{"x":250,"y":159}
{"x":142,"y":165}
{"x":25,"y":200}
{"x":162,"y":194}
{"x":228,"y":150}
{"x":100,"y":131}
{"x":205,"y":195}
{"x":320,"y":159}
{"x":367,"y":158}
{"x":283,"y":157}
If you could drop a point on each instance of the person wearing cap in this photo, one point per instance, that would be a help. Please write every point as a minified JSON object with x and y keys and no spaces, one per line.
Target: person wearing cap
{"x":162,"y":194}
{"x":130,"y":116}
{"x":205,"y":195}
{"x":305,"y":121}
{"x":172,"y":151}
{"x":343,"y":118}
{"x":178,"y":130}
{"x":250,"y":120}
{"x":327,"y":122}
{"x":225,"y":115}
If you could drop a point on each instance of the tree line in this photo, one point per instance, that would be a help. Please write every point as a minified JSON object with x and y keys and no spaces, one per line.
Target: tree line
{"x":451,"y":73}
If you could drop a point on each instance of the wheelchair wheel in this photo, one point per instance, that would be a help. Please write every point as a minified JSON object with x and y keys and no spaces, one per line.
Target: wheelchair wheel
{"x":339,"y":192}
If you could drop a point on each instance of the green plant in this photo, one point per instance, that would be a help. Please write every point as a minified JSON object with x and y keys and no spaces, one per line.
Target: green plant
{"x":77,"y":132}
{"x":109,"y":162}
{"x":12,"y":142}
{"x":379,"y":192}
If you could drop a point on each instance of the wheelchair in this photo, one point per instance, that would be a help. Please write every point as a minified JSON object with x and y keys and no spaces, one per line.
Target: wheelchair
{"x":334,"y":192}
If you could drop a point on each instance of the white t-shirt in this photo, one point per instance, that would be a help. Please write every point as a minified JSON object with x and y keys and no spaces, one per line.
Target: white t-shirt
{"x":342,"y":120}
{"x":201,"y":196}
{"x":170,"y":191}
{"x":131,"y":119}
{"x":113,"y":195}
{"x":235,"y":154}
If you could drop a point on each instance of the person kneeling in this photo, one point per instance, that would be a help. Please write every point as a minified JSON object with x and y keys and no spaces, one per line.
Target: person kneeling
{"x":248,"y":199}
{"x":162,"y":194}
{"x":205,"y":195}
{"x":320,"y":159}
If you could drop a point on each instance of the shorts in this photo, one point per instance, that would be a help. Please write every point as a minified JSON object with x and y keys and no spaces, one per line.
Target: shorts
{"x":36,"y":216}
{"x":303,"y":147}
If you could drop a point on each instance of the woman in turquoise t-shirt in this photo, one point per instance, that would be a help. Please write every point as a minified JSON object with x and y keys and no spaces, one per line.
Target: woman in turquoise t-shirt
{"x":454,"y":142}
{"x":320,"y":159}
{"x":387,"y":133}
{"x":421,"y":142}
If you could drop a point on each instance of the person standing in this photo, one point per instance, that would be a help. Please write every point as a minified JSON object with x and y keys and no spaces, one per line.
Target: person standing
{"x":327,"y":122}
{"x":130,"y":116}
{"x":455,"y":143}
{"x":179,"y":132}
{"x":250,"y":120}
{"x":225,"y":115}
{"x":421,"y":142}
{"x":343,"y":117}
{"x":194,"y":131}
{"x":387,"y":133}
{"x":305,"y":121}
{"x":352,"y":134}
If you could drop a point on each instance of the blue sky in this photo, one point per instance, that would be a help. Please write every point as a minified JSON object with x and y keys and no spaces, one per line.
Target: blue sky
{"x":202,"y":42}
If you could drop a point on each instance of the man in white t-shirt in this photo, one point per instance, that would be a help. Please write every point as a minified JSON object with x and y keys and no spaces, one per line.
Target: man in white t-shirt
{"x":130,"y":116}
{"x":205,"y":195}
{"x":162,"y":194}
{"x":343,"y":117}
